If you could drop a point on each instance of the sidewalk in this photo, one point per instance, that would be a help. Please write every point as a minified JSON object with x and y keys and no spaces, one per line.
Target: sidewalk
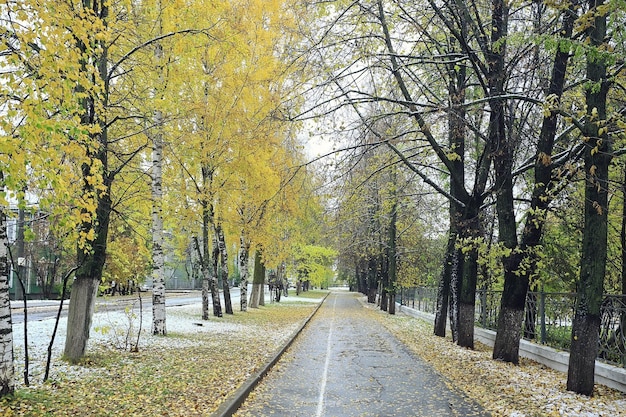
{"x":344,"y":364}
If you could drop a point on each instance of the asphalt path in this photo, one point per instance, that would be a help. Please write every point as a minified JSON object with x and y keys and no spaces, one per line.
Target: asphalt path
{"x":346,"y":364}
{"x":39,"y":310}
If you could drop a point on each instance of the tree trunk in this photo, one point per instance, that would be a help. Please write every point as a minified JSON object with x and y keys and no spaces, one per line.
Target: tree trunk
{"x":502,"y":155}
{"x":257,"y":280}
{"x":215,"y":271}
{"x":208,"y":220}
{"x":467,"y":299}
{"x":206,"y":278}
{"x":88,"y":276}
{"x":7,"y":370}
{"x":583,"y":353}
{"x":383,"y":282}
{"x":392,"y":303}
{"x":215,"y":295}
{"x":623,"y":259}
{"x":391,"y":253}
{"x":79,"y":316}
{"x":623,"y":239}
{"x":448,"y":290}
{"x":20,"y":249}
{"x":158,"y":277}
{"x":221,"y":241}
{"x":530,"y":315}
{"x":372,"y":284}
{"x":598,"y":155}
{"x":262,"y":287}
{"x":361,"y":271}
{"x":465,"y":279}
{"x":450,"y":263}
{"x":508,"y":334}
{"x":91,"y":255}
{"x":244,"y":253}
{"x":443,"y":297}
{"x":357,"y":275}
{"x":517,"y":277}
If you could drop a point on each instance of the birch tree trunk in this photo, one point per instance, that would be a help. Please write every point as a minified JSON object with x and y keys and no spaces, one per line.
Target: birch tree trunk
{"x":158,"y":276}
{"x":221,"y":241}
{"x":215,"y":258}
{"x":7,"y":371}
{"x":208,"y":220}
{"x":213,"y":284}
{"x":158,"y":280}
{"x":244,"y":254}
{"x":219,"y":251}
{"x":206,"y":277}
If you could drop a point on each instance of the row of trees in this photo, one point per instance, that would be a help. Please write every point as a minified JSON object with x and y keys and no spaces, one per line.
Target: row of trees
{"x":114,"y":113}
{"x":509,"y":111}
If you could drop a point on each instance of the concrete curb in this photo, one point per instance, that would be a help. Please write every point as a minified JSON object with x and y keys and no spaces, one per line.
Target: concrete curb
{"x":234,"y":401}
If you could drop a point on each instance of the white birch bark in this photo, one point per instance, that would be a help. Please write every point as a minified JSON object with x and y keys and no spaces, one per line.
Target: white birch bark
{"x":158,"y":275}
{"x":221,"y":242}
{"x":7,"y":371}
{"x":206,"y":278}
{"x":209,"y":223}
{"x":244,"y":255}
{"x":158,"y":279}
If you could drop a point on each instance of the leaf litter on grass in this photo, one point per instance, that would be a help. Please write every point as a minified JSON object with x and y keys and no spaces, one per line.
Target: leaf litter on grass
{"x":529,"y":389}
{"x":187,"y":373}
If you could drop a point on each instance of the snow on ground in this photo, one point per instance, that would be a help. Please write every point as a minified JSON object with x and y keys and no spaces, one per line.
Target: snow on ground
{"x":118,"y":329}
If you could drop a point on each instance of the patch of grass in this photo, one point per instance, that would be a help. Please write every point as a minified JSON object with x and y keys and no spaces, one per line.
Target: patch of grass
{"x":309,"y":294}
{"x":99,"y":358}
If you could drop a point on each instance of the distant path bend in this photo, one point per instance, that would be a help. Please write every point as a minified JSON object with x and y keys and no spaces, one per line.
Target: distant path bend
{"x":346,"y":364}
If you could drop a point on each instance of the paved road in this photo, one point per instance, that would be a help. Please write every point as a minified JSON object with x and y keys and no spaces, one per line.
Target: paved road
{"x":346,"y":364}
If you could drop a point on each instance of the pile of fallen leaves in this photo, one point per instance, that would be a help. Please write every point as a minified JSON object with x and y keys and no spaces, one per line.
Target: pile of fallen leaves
{"x":182,"y":374}
{"x":529,"y":389}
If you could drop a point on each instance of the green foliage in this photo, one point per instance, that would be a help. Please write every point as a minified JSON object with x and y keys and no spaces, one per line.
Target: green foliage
{"x":315,"y":264}
{"x":561,"y":246}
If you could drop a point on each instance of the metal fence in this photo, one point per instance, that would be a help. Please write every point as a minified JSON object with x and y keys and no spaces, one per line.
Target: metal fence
{"x":547,"y":320}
